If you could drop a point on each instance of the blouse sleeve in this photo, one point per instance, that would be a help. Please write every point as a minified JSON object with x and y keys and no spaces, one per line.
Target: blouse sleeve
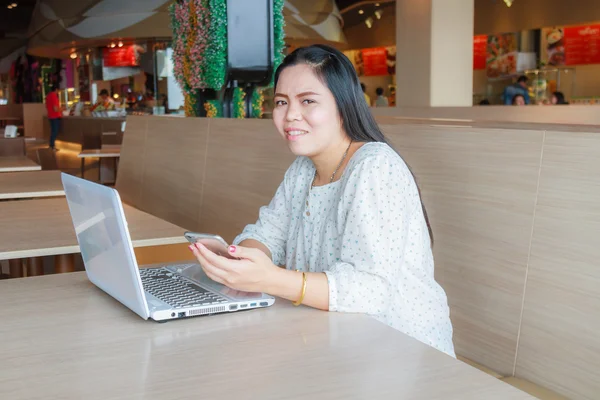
{"x":271,"y":228}
{"x":379,"y":201}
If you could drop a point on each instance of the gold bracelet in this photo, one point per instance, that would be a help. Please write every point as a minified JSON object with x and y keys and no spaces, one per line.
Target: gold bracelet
{"x":297,"y":303}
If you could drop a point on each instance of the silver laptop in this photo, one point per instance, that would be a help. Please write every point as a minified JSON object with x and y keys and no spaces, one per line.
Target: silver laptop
{"x":164,"y":293}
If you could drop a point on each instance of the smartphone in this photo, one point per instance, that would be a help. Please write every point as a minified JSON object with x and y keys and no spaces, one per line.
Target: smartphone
{"x":214,"y":243}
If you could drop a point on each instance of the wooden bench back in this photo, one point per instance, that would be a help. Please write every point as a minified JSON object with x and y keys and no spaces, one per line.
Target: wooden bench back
{"x":514,"y":214}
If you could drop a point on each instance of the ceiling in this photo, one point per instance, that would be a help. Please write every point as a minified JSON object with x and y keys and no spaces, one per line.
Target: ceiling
{"x":350,"y":10}
{"x":15,"y":21}
{"x":14,"y":24}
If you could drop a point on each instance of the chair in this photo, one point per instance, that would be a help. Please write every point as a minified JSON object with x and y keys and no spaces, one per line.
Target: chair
{"x":12,"y":147}
{"x":47,"y":159}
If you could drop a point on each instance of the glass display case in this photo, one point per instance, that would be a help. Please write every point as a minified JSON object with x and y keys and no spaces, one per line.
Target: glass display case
{"x":543,"y":82}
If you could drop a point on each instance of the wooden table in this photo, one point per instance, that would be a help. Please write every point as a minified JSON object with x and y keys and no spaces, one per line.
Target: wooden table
{"x":17,"y":164}
{"x":113,"y":152}
{"x":22,"y":185}
{"x":64,"y":338}
{"x":43,"y":227}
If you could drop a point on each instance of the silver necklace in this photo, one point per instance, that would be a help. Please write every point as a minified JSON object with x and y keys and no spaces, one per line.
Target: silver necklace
{"x":330,"y":180}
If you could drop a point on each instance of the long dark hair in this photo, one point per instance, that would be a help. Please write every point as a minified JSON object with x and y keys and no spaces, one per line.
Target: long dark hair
{"x":560,"y":98}
{"x":337,"y":72}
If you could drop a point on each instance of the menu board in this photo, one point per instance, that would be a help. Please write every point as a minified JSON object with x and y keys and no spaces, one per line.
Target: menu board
{"x":479,"y":51}
{"x":582,"y":44}
{"x":126,"y":56}
{"x":572,"y":45}
{"x":374,"y":61}
{"x":502,"y":54}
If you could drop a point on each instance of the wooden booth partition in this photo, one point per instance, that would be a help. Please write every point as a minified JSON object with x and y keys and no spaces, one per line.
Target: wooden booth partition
{"x":202,"y":174}
{"x":479,"y":187}
{"x":33,"y":119}
{"x":11,"y":111}
{"x":514,"y":215}
{"x":246,"y":161}
{"x":559,"y":344}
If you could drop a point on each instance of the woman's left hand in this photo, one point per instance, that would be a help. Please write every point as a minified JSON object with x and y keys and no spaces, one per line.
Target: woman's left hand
{"x":252,"y":271}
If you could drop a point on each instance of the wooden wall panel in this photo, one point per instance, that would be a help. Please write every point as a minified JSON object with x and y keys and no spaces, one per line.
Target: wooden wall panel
{"x":479,"y":187}
{"x":559,"y":345}
{"x":245,"y":164}
{"x":33,"y":119}
{"x":11,"y":110}
{"x":515,"y":214}
{"x":131,"y":164}
{"x":577,"y":115}
{"x":174,"y":165}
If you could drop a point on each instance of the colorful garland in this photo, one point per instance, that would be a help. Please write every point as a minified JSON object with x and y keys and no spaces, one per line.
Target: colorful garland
{"x":213,"y":108}
{"x":200,"y":50}
{"x":257,"y":103}
{"x":199,"y":47}
{"x":179,"y":25}
{"x":215,"y":67}
{"x":239,"y":109}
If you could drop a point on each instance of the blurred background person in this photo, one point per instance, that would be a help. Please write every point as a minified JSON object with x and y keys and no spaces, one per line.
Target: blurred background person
{"x":381,"y":100}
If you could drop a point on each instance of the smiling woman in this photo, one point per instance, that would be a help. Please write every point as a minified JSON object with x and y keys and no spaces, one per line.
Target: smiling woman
{"x":347,"y":221}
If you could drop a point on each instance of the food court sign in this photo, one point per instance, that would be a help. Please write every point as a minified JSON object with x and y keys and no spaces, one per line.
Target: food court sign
{"x":571,"y":45}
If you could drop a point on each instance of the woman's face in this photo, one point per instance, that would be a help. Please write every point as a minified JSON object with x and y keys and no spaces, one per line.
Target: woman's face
{"x":554,"y":100}
{"x":305,"y":112}
{"x":519,"y":101}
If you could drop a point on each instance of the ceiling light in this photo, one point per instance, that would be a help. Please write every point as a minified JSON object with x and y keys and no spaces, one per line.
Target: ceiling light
{"x":369,"y":22}
{"x":73,"y":55}
{"x":120,"y":44}
{"x":112,"y":44}
{"x":116,"y":95}
{"x":376,"y":4}
{"x":378,"y":13}
{"x":508,"y":2}
{"x":361,"y":12}
{"x":9,"y":6}
{"x":14,"y":5}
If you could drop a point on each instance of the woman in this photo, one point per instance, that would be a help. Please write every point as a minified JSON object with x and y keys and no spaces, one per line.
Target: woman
{"x":104,"y":102}
{"x":558,"y":98}
{"x":518,"y":100}
{"x":347,"y":220}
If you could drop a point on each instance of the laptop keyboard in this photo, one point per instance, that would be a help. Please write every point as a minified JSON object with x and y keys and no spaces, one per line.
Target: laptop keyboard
{"x":177,"y":291}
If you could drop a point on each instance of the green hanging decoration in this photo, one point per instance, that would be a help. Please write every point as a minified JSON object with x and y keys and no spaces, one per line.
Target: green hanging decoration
{"x":257,"y":103}
{"x":278,"y":35}
{"x":215,"y":57}
{"x":200,"y":49}
{"x":213,"y":108}
{"x":239,"y":109}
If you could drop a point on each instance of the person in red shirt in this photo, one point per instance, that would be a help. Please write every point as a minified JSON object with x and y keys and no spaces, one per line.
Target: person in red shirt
{"x":54,"y":114}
